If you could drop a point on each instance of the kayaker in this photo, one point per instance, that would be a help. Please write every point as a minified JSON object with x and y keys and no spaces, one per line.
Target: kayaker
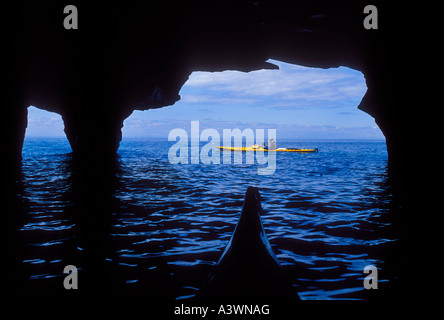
{"x":272,"y":144}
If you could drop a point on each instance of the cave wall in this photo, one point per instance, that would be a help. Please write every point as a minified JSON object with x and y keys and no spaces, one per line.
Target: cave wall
{"x":136,"y":56}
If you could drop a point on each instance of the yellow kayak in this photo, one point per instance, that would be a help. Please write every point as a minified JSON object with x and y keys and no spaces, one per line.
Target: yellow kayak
{"x":254,"y":148}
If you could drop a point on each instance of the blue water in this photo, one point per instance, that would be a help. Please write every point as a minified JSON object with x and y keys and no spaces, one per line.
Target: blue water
{"x":327,"y":216}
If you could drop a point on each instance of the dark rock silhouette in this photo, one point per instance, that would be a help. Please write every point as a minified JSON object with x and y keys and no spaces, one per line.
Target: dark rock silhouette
{"x":248,"y":268}
{"x":132,"y":55}
{"x":136,"y":56}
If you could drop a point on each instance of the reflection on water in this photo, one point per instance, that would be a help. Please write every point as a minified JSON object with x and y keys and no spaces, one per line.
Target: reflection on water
{"x":162,"y":227}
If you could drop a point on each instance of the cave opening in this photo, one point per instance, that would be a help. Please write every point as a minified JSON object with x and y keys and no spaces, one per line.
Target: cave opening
{"x":327,"y":214}
{"x":44,"y":131}
{"x":321,"y":210}
{"x":299,"y":102}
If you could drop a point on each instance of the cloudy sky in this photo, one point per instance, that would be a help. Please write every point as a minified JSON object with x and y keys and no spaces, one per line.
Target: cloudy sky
{"x":299,"y":102}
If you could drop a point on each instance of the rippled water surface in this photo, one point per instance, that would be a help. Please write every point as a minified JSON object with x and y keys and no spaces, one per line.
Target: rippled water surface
{"x":326,"y":214}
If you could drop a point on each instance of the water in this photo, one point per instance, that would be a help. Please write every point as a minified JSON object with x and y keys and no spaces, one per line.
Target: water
{"x":327,"y":216}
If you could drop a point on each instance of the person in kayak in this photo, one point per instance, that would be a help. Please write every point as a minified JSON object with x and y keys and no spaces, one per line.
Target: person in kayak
{"x":272,"y":144}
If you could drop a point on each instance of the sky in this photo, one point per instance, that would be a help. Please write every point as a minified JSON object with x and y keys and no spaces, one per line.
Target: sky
{"x":42,"y":123}
{"x":299,"y":102}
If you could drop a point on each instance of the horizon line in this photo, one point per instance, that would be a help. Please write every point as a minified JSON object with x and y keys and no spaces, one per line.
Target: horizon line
{"x":166,"y":138}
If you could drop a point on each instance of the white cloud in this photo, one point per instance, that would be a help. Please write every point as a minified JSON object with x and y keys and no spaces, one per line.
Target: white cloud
{"x":282,"y":97}
{"x":291,"y":83}
{"x":205,"y":98}
{"x":43,"y":123}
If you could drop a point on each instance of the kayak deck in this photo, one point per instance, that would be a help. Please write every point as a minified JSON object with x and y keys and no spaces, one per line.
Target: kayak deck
{"x":262,"y":149}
